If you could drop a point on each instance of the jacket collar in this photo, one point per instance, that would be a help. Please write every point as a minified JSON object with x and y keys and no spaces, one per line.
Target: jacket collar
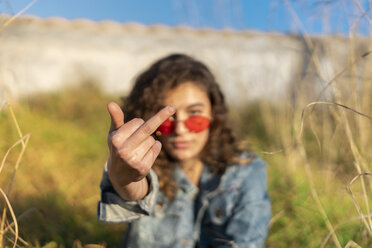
{"x":208,"y":181}
{"x":184,"y":183}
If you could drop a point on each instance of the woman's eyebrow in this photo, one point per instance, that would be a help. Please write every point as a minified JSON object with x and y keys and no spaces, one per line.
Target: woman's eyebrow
{"x":195,"y":105}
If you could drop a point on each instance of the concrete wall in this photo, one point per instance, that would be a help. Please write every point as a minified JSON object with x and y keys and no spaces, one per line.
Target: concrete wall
{"x":38,"y":55}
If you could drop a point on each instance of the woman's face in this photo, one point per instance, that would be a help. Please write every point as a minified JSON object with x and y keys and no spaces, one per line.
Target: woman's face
{"x":189,"y":100}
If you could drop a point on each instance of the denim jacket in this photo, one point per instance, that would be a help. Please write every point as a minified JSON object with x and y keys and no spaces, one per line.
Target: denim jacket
{"x":228,"y":210}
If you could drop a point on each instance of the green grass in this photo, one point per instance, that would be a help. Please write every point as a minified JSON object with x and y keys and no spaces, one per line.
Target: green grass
{"x":60,"y":172}
{"x":58,"y":179}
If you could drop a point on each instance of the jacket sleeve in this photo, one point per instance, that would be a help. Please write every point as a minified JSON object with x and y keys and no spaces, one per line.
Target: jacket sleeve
{"x":248,"y":225}
{"x":112,"y":208}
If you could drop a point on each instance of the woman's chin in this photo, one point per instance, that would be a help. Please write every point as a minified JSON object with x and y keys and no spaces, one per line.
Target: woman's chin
{"x":182,"y":155}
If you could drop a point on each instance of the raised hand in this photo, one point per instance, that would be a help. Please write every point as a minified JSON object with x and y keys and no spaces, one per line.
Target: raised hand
{"x":132,"y":151}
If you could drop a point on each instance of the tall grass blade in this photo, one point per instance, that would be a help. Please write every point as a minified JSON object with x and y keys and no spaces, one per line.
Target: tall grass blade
{"x":17,"y":15}
{"x":361,"y":175}
{"x":15,"y":122}
{"x":13,"y":216}
{"x":26,"y":137}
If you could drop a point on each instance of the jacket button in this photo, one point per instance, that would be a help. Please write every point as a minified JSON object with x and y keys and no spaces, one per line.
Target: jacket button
{"x":219,"y":212}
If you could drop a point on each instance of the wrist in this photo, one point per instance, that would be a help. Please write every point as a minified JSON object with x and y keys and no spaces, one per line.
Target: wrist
{"x":133,"y":191}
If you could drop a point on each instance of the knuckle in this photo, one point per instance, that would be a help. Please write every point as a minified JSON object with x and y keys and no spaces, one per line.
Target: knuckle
{"x":154,"y":152}
{"x":138,"y":121}
{"x":146,"y":128}
{"x":133,"y":162}
{"x":116,"y":140}
{"x":152,"y":140}
{"x":156,"y":147}
{"x":124,"y":152}
{"x":142,"y":168}
{"x":133,"y":159}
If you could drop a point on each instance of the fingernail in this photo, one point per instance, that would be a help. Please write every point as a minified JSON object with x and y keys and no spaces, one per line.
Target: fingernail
{"x":171,"y":109}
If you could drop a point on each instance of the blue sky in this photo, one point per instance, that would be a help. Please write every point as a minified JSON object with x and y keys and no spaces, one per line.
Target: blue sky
{"x":292,"y":16}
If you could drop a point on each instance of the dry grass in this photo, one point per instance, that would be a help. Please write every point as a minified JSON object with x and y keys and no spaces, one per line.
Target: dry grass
{"x":6,"y":227}
{"x":333,"y":139}
{"x":9,"y":233}
{"x":318,"y":153}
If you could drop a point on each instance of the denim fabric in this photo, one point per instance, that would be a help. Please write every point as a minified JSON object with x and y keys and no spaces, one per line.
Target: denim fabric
{"x":229,"y":210}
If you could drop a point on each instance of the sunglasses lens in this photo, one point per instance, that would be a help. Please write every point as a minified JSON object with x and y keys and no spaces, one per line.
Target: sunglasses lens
{"x":167,"y":127}
{"x":197,"y":123}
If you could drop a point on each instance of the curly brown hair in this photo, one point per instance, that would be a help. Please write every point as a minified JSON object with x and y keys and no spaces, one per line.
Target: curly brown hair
{"x":146,"y":98}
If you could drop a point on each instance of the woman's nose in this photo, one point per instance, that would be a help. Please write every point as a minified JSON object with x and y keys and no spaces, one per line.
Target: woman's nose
{"x":180,"y":128}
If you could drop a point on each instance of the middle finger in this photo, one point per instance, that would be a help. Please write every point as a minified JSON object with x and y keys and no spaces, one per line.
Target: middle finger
{"x":150,"y":126}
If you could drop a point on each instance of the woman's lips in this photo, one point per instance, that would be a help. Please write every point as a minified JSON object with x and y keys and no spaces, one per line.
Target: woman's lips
{"x":181,"y":144}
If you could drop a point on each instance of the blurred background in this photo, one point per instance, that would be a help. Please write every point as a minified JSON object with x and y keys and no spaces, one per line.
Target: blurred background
{"x":297,"y":77}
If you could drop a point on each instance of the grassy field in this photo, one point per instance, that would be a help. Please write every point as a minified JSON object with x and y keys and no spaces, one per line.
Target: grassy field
{"x":317,"y":145}
{"x":58,"y":180}
{"x":56,"y":187}
{"x":318,"y":154}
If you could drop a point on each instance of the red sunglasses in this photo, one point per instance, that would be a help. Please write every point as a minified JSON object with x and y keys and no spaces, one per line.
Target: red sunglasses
{"x":195,"y":124}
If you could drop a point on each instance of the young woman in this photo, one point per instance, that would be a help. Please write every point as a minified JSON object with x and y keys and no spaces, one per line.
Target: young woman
{"x":174,"y":171}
